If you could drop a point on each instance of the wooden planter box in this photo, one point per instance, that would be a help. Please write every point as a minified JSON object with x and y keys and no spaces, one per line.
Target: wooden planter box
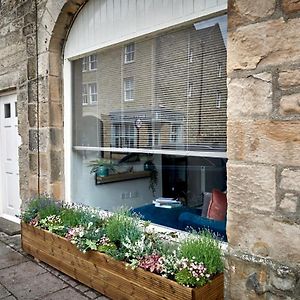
{"x":108,"y":276}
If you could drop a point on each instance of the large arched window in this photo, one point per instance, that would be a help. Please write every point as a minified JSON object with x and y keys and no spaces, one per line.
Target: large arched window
{"x":145,"y":99}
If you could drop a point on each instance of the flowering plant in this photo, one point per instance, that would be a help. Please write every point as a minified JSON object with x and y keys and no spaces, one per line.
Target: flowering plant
{"x":191,"y":261}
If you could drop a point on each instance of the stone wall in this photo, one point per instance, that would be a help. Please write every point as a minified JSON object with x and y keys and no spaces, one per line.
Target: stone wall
{"x":32,"y":35}
{"x":264,"y":150}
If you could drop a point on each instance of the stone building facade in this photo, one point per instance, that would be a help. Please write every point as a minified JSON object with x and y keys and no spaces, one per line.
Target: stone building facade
{"x":263,"y":259}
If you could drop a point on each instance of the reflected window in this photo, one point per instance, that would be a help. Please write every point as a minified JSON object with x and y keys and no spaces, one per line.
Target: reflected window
{"x":123,"y":135}
{"x":129,"y":53}
{"x":89,"y":63}
{"x":128,"y":89}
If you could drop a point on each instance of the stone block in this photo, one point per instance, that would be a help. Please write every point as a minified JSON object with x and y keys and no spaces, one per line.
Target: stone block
{"x":56,"y":114}
{"x":31,"y":68}
{"x":43,"y":64}
{"x":250,"y":96}
{"x":290,"y":6}
{"x":241,"y":286}
{"x":289,"y":78}
{"x":254,"y":10}
{"x":264,"y":141}
{"x":55,"y":63}
{"x":284,"y":281}
{"x":32,"y":116}
{"x":54,"y":88}
{"x":251,"y":187}
{"x":44,"y":114}
{"x":28,"y":29}
{"x":56,"y":160}
{"x":57,"y":190}
{"x":290,"y":104}
{"x":290,"y":180}
{"x":256,"y":44}
{"x":289,"y":203}
{"x":246,"y":229}
{"x":39,"y":139}
{"x":56,"y":138}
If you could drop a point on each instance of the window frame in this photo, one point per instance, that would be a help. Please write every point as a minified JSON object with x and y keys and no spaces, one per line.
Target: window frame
{"x":129,"y":52}
{"x":130,"y":89}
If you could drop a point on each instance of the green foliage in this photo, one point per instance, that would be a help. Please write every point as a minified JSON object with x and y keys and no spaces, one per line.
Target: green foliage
{"x":40,"y":207}
{"x":122,"y":225}
{"x":184,"y":277}
{"x":95,"y":164}
{"x":203,"y":248}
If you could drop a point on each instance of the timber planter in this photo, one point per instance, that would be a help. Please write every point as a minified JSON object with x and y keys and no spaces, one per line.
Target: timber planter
{"x":108,"y":276}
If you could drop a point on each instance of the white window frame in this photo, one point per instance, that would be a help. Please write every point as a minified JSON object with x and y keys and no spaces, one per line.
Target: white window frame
{"x":126,"y":135}
{"x":218,"y":99}
{"x":88,"y":61}
{"x":93,"y":94}
{"x":175,"y":135}
{"x":129,"y":53}
{"x":88,"y":95}
{"x":128,"y":89}
{"x":84,"y":94}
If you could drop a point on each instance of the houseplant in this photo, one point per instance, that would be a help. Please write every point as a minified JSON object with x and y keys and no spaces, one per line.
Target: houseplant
{"x":101,"y":167}
{"x":119,"y":256}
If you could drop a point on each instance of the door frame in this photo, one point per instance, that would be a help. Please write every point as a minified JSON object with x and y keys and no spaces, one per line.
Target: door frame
{"x":14,"y":219}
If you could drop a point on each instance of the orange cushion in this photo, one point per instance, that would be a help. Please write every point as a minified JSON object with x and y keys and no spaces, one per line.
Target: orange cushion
{"x":218,"y":206}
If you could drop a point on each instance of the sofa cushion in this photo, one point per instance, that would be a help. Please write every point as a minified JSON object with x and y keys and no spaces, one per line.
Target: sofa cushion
{"x":218,"y":206}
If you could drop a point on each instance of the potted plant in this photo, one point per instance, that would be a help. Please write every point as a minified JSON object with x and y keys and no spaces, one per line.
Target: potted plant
{"x":150,"y":166}
{"x":101,"y":167}
{"x":118,"y":255}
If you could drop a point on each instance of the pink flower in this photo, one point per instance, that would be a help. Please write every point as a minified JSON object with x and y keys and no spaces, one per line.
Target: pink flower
{"x":151,"y":263}
{"x":34,"y":222}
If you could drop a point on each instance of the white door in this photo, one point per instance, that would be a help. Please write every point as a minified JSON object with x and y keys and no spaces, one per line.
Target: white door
{"x":9,"y":166}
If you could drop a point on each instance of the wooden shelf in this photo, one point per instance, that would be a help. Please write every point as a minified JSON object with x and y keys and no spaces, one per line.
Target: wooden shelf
{"x":121,"y":177}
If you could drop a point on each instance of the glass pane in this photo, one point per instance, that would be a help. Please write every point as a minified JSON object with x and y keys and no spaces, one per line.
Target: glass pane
{"x":177,"y":80}
{"x":7,"y":111}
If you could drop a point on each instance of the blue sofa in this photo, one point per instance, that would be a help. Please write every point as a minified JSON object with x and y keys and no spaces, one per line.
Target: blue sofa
{"x":182,"y":218}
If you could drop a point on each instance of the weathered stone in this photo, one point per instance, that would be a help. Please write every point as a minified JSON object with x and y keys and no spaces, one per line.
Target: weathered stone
{"x":56,"y":159}
{"x":290,"y":6}
{"x":289,"y":203}
{"x":243,"y":235}
{"x":261,"y":249}
{"x":54,"y":88}
{"x":252,"y":186}
{"x":255,"y":9}
{"x":289,"y":78}
{"x":290,"y":180}
{"x":240,"y":274}
{"x":250,"y":96}
{"x":256,"y":44}
{"x":286,"y":283}
{"x":290,"y":104}
{"x":264,"y":141}
{"x":56,"y":114}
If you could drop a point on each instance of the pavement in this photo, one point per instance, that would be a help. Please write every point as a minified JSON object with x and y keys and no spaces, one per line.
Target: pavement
{"x":21,"y":277}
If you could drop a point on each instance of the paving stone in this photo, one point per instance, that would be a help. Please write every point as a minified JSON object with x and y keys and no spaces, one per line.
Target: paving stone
{"x":91,"y":294}
{"x":65,"y":294}
{"x":30,"y":281}
{"x":9,"y":257}
{"x":11,"y":297}
{"x":82,"y":288}
{"x":9,"y":227}
{"x":68,"y":280}
{"x":3,"y":292}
